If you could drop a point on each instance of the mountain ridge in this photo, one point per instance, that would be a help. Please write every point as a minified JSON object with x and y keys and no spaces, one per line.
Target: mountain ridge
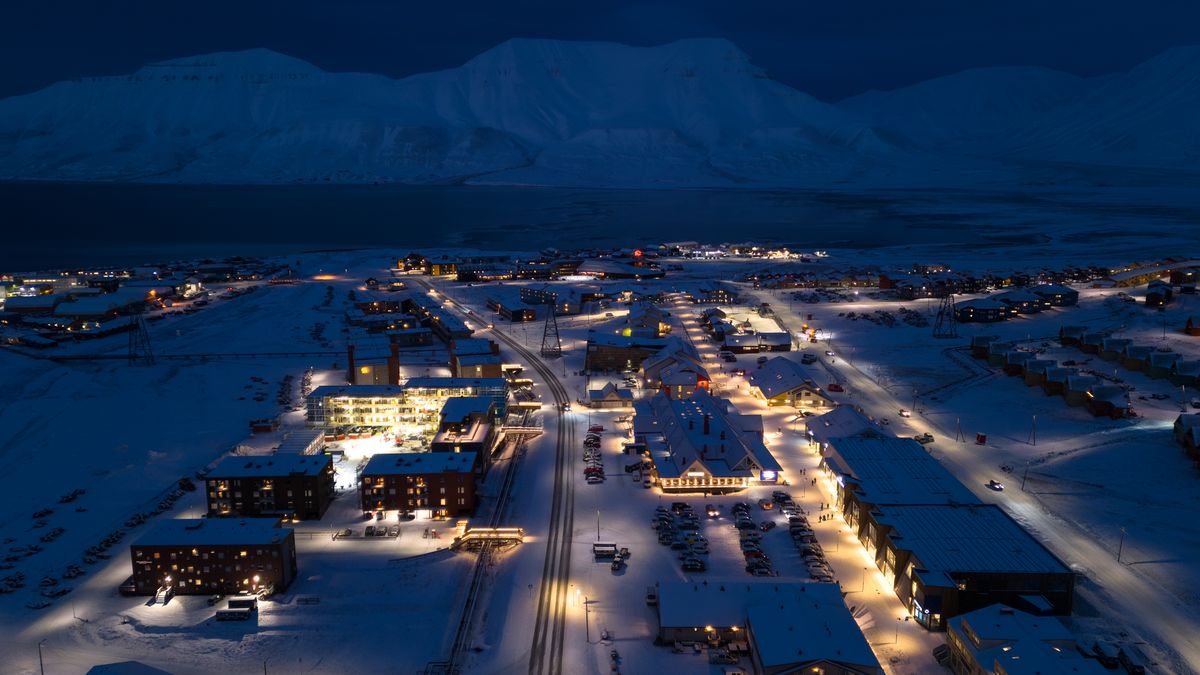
{"x":690,"y":113}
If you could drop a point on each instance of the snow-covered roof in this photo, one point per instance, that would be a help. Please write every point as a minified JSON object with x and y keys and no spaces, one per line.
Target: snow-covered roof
{"x":479,"y":383}
{"x":965,"y":538}
{"x":458,"y":408}
{"x":806,"y":623}
{"x":1110,"y":393}
{"x":618,"y":340}
{"x":702,"y":431}
{"x":405,"y":463}
{"x":610,"y":391}
{"x":213,"y":531}
{"x":890,"y":470}
{"x":842,"y":421}
{"x":1020,"y":642}
{"x":125,"y":668}
{"x":1052,"y":289}
{"x":280,"y":464}
{"x":779,"y":376}
{"x":464,"y":346}
{"x":355,"y":390}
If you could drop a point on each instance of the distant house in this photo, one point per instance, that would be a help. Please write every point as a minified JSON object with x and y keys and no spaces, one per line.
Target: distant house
{"x":1112,"y":349}
{"x":982,"y":310}
{"x":1090,"y":343}
{"x":1022,"y":301}
{"x":1071,"y":336}
{"x":1035,"y":371}
{"x":1015,"y":360}
{"x":1057,"y":295}
{"x":609,"y":396}
{"x":1055,"y":381}
{"x":614,"y":352}
{"x":1109,"y":401}
{"x":1158,"y":293}
{"x":475,"y":357}
{"x":979,"y":345}
{"x":1185,"y":373}
{"x":1192,"y":327}
{"x":1187,"y":433}
{"x":1078,"y":389}
{"x":1137,"y":357}
{"x":1160,"y":364}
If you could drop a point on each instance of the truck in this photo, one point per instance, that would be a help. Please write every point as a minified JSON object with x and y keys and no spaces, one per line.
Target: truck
{"x":604,"y":550}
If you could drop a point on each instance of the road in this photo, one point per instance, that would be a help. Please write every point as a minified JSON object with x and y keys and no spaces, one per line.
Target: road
{"x":1117,"y":590}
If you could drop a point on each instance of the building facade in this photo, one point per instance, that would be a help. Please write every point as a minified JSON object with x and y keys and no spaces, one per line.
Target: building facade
{"x":276,"y":485}
{"x":439,"y":484}
{"x":206,"y":556}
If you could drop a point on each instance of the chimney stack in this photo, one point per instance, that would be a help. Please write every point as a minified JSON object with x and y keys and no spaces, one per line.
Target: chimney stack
{"x":350,"y":363}
{"x":706,"y":424}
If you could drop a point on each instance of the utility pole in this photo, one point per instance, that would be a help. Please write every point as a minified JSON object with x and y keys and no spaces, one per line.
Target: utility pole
{"x":1121,"y":545}
{"x":597,"y":524}
{"x":1025,"y":476}
{"x":1033,"y":431}
{"x":958,"y":434}
{"x":41,"y":665}
{"x":587,"y":624}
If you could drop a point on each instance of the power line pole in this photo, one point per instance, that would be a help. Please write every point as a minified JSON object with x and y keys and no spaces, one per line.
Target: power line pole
{"x":1033,"y":431}
{"x":1121,"y":545}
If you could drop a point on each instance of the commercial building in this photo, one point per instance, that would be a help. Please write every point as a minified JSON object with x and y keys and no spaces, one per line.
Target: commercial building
{"x":434,"y":484}
{"x":788,"y":627}
{"x":415,"y":405}
{"x":609,"y":396}
{"x":1000,"y":639}
{"x":615,"y":352}
{"x":703,"y":444}
{"x":475,"y":357}
{"x":943,"y":560}
{"x":275,"y":485}
{"x":466,"y":424}
{"x":782,"y":381}
{"x":202,"y":556}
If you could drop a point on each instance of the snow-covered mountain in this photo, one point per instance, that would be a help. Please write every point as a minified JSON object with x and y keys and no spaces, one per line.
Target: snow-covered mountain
{"x":689,"y":113}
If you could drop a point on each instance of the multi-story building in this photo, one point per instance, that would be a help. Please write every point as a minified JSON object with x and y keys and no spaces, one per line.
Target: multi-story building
{"x":438,"y":484}
{"x":213,"y":555}
{"x":282,"y":484}
{"x":612,"y":351}
{"x":412,"y":407}
{"x":467,"y":425}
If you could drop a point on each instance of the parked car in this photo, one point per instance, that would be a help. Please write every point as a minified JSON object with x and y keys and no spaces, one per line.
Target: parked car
{"x":924,"y":439}
{"x":808,"y":359}
{"x":711,"y":510}
{"x":694,"y":565}
{"x":767,"y":526}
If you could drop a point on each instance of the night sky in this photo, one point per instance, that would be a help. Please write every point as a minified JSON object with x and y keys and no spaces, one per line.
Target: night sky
{"x":830,"y":49}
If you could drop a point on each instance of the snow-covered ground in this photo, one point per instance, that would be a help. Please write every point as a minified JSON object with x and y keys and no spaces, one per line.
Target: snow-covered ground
{"x":127,"y":433}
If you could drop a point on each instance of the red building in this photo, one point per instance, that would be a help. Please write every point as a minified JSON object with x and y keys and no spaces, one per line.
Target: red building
{"x":441,"y":484}
{"x":204,"y":556}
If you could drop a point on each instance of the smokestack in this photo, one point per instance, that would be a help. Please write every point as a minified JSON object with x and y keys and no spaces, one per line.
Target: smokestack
{"x":394,"y":365}
{"x":706,"y":425}
{"x":350,"y":363}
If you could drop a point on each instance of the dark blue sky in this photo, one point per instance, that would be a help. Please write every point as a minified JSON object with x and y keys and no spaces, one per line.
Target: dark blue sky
{"x":829,"y":48}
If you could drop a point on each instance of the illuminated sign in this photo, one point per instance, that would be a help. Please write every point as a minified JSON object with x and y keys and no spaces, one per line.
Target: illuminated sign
{"x":768,"y":475}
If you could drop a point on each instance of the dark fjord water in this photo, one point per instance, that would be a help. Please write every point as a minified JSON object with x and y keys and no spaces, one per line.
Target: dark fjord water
{"x":62,"y":225}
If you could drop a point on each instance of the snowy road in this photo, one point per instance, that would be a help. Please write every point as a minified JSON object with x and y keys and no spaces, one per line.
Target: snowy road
{"x":1113,"y":588}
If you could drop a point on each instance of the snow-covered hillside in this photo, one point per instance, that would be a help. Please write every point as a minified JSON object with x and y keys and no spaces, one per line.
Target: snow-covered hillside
{"x":687,"y":114}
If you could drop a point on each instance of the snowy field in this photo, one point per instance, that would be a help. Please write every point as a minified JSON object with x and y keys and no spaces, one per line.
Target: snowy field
{"x":126,"y":434}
